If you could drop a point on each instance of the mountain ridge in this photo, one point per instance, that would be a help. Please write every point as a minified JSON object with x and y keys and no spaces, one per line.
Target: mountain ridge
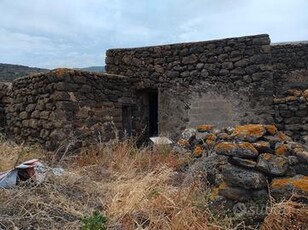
{"x":10,"y":72}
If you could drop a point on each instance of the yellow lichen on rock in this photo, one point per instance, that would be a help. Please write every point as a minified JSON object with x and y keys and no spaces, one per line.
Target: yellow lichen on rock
{"x":249,"y":132}
{"x":291,"y":98}
{"x":205,"y":128}
{"x":210,"y":140}
{"x":198,"y":151}
{"x":284,"y":137}
{"x":279,"y":100}
{"x":295,"y":92}
{"x":248,"y":146}
{"x":225,"y":146}
{"x":271,"y":129}
{"x":305,"y":93}
{"x":298,"y":183}
{"x":183,"y":143}
{"x":60,"y":72}
{"x":245,"y":149}
{"x":267,"y":156}
{"x":261,"y":145}
{"x":281,"y":150}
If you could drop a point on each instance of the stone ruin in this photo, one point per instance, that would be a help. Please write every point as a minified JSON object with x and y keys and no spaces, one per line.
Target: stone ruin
{"x":162,"y":90}
{"x":243,"y":82}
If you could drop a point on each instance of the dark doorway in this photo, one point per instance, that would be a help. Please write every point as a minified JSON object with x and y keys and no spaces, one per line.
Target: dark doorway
{"x":127,"y":120}
{"x":153,"y":113}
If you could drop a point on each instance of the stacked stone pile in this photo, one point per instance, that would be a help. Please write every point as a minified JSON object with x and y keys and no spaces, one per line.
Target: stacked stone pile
{"x":241,"y":163}
{"x":291,"y":114}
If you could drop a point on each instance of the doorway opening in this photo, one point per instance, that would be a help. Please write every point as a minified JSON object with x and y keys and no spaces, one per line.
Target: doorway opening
{"x":145,"y":114}
{"x":153,"y":113}
{"x":127,"y":120}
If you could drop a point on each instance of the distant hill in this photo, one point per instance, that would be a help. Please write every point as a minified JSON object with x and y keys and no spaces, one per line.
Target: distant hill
{"x":94,"y":69}
{"x":9,"y":72}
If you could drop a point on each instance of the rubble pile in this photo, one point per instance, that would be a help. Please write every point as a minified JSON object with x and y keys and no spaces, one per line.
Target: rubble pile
{"x":246,"y":162}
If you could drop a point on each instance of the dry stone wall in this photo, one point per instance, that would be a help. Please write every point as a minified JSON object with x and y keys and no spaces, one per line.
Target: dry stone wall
{"x":222,"y":82}
{"x":194,"y":78}
{"x":4,"y":88}
{"x":291,"y":114}
{"x":290,"y":65}
{"x":67,"y":107}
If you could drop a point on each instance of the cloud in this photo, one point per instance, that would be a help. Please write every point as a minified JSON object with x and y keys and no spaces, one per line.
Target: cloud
{"x":76,"y":33}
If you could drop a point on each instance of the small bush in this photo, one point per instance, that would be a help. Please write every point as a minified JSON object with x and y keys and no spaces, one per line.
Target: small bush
{"x":94,"y":222}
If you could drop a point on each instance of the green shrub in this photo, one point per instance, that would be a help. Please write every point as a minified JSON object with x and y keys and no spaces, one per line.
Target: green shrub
{"x":94,"y":222}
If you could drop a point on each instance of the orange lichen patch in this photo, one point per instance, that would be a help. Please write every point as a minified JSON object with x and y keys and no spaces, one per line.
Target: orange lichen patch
{"x":183,"y":143}
{"x":60,"y":72}
{"x":279,"y":100}
{"x":305,"y":93}
{"x":215,"y":190}
{"x":198,"y":151}
{"x":249,"y":132}
{"x":212,"y":137}
{"x":282,"y":149}
{"x":295,"y":92}
{"x":271,"y":129}
{"x":267,"y":156}
{"x":210,"y":140}
{"x":261,"y":145}
{"x":204,"y":128}
{"x":248,"y":146}
{"x":298,"y":183}
{"x":284,"y":137}
{"x":291,"y":98}
{"x":225,"y":147}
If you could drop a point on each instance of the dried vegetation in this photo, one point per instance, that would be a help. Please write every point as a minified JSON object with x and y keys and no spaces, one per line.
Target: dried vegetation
{"x":133,"y":188}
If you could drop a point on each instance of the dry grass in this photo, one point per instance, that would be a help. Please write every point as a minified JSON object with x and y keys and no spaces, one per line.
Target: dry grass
{"x":134,"y":188}
{"x":13,"y":154}
{"x":287,"y":215}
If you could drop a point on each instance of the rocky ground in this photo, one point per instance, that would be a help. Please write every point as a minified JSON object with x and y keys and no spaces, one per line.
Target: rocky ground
{"x":247,"y":177}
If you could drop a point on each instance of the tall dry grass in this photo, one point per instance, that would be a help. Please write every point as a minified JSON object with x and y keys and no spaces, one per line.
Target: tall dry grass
{"x":287,"y":214}
{"x":134,"y":188}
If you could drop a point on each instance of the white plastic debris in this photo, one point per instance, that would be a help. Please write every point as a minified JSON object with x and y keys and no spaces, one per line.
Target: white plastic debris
{"x":58,"y":171}
{"x":32,"y":169}
{"x":161,"y":143}
{"x":161,"y":140}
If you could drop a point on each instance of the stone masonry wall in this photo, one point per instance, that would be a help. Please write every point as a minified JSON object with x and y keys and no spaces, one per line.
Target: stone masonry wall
{"x":222,"y":82}
{"x":291,"y":114}
{"x":290,"y":65}
{"x":4,"y":88}
{"x":67,"y":106}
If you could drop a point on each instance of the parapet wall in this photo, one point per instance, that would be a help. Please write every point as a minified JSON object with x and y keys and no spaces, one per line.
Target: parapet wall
{"x":65,"y":105}
{"x":222,"y":82}
{"x":290,"y":66}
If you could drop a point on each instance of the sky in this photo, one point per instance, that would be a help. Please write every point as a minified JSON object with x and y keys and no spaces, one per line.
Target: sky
{"x":77,"y":33}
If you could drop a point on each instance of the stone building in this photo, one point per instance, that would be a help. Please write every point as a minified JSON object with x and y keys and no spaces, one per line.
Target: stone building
{"x":161,"y":90}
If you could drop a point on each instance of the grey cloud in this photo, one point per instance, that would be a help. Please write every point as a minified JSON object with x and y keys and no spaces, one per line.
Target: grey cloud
{"x":76,"y":33}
